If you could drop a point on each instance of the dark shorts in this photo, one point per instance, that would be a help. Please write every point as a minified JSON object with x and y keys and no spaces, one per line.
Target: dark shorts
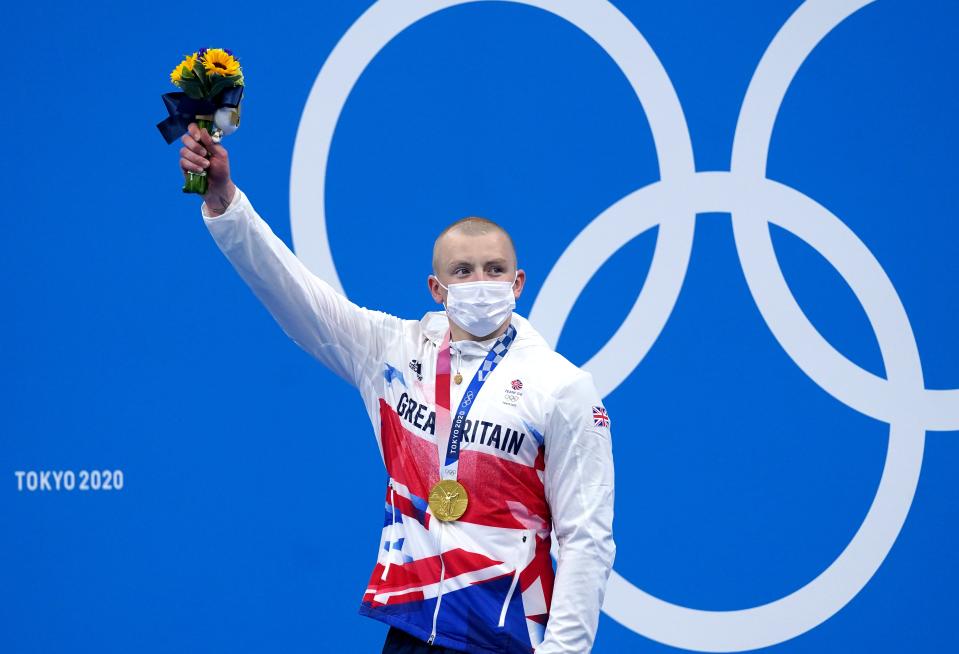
{"x":400,"y":642}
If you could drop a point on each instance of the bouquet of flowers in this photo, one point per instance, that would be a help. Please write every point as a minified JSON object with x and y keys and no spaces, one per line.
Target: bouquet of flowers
{"x":212,"y":84}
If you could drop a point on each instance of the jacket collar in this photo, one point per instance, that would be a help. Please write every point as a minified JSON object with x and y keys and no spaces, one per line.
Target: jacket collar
{"x":435,"y":324}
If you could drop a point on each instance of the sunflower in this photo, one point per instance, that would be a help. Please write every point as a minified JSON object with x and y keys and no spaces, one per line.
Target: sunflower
{"x":184,"y":66}
{"x":217,"y":61}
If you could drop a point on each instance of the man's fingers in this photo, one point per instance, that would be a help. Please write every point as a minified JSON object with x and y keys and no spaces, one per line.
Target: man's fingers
{"x":217,"y":150}
{"x":206,"y":139}
{"x":193,"y":157}
{"x":188,"y":165}
{"x":198,"y":150}
{"x":192,"y":144}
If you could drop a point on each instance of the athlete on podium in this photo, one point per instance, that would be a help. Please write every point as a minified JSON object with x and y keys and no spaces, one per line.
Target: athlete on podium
{"x":491,"y":440}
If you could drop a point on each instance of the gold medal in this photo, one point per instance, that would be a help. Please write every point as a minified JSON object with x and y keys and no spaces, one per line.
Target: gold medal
{"x":458,"y":378}
{"x":448,"y":500}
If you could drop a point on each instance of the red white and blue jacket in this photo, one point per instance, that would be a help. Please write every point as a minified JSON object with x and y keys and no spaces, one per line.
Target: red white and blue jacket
{"x":535,"y":458}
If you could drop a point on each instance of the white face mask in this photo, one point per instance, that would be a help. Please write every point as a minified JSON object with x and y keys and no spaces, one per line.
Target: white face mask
{"x":479,"y":307}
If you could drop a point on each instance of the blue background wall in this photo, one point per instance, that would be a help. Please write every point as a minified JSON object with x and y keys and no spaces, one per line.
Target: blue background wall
{"x":129,"y":343}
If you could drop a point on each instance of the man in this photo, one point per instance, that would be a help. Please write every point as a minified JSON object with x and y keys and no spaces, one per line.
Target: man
{"x":491,"y":440}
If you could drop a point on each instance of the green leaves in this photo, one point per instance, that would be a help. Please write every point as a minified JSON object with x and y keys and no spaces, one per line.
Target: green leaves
{"x":221,"y":83}
{"x":199,"y":85}
{"x":193,"y":85}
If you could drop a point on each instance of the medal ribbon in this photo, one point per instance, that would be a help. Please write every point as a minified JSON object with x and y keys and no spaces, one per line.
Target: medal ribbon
{"x":452,"y":425}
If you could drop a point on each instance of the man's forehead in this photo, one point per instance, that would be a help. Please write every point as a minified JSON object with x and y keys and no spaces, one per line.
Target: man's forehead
{"x":456,"y":240}
{"x":456,"y":245}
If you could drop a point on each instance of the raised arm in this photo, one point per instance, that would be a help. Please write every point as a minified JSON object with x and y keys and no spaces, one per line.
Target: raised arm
{"x":579,"y":488}
{"x":346,"y":338}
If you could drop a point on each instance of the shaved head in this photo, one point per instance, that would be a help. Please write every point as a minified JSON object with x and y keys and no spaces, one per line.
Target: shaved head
{"x":470,"y":226}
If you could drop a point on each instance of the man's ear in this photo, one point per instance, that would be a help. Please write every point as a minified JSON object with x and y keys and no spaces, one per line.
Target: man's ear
{"x":519,"y":283}
{"x":437,"y":291}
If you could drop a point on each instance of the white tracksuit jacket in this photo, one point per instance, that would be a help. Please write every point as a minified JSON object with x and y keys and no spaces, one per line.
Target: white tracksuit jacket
{"x":536,"y":456}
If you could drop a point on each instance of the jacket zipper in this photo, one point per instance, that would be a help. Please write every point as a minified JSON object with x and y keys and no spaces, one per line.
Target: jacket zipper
{"x":439,"y":588}
{"x":530,"y":541}
{"x":389,"y":546}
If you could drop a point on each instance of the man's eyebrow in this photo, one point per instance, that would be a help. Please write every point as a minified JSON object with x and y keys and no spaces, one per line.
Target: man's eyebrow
{"x":502,"y":261}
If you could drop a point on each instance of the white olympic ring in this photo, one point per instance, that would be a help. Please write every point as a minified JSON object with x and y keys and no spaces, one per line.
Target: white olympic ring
{"x":672,"y":203}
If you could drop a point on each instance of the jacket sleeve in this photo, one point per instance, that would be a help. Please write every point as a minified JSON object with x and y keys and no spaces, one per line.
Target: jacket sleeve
{"x":579,"y":488}
{"x":346,"y":338}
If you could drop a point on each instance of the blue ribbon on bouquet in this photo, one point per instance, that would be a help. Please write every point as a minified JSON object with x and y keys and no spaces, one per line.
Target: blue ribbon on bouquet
{"x":183,"y":110}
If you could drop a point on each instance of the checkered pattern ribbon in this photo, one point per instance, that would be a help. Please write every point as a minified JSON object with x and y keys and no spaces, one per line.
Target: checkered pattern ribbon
{"x":497,"y":352}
